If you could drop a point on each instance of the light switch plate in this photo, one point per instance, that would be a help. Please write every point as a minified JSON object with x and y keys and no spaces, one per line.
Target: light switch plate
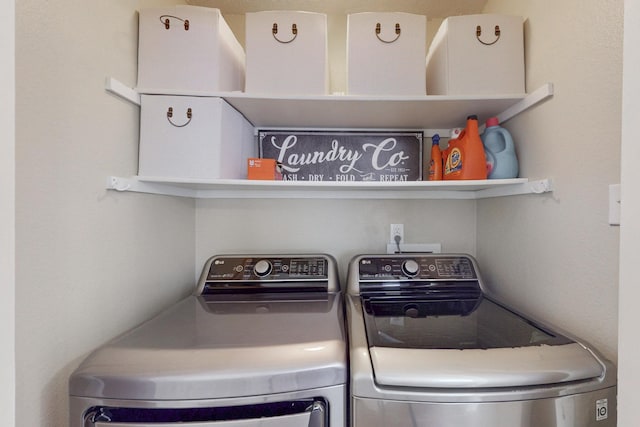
{"x":614,"y":204}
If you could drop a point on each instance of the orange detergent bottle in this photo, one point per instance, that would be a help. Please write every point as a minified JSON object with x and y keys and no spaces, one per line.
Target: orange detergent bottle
{"x":465,"y":158}
{"x":435,"y":164}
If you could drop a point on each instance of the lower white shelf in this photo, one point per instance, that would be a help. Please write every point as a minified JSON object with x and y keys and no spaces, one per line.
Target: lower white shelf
{"x":245,"y":189}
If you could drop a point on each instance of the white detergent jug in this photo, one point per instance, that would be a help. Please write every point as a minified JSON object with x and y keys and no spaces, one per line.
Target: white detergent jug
{"x":500,"y":152}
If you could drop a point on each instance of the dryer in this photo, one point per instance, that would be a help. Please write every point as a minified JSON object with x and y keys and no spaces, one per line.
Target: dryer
{"x":430,"y":346}
{"x":261,"y":342}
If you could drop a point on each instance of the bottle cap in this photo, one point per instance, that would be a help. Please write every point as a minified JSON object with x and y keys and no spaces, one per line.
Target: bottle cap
{"x":435,"y":139}
{"x":455,"y":133}
{"x":492,"y":121}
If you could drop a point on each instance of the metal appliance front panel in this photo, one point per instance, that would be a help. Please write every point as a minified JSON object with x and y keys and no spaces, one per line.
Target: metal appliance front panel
{"x":86,"y":412}
{"x":225,"y":344}
{"x":364,"y":383}
{"x":260,"y":331}
{"x":394,"y":345}
{"x":313,"y":414}
{"x":298,"y":420}
{"x":594,"y":409}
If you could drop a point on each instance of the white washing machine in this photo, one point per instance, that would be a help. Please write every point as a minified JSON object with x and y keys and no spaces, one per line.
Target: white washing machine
{"x":430,"y":347}
{"x":260,"y":343}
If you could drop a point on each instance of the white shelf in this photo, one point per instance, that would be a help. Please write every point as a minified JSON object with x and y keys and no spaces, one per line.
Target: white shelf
{"x":363,"y":112}
{"x":431,"y":113}
{"x":244,"y":189}
{"x":357,"y":112}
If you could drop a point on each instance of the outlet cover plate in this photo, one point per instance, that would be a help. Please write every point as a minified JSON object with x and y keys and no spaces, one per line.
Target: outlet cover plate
{"x":408,"y":248}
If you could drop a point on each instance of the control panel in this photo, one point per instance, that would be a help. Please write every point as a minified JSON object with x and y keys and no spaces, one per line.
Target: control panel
{"x":416,"y":267}
{"x":267,"y":269}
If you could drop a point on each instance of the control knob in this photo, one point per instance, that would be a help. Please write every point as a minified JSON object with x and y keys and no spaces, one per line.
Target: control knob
{"x":262,"y":268}
{"x":410,"y":268}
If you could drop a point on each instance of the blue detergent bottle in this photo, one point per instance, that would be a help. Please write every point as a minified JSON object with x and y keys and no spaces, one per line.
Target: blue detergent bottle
{"x":502,"y":162}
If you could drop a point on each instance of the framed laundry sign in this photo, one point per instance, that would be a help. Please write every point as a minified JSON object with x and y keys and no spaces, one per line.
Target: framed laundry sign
{"x":344,"y":156}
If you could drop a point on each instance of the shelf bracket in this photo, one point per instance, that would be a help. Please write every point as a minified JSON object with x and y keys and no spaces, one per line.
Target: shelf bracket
{"x":132,"y":184}
{"x":530,"y":187}
{"x":121,"y":90}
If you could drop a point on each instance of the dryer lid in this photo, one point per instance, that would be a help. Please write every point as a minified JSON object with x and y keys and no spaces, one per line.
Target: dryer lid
{"x":197,"y":350}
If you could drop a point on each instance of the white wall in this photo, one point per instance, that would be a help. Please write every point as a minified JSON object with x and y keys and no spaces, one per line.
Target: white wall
{"x":343,"y":228}
{"x":629,"y":345}
{"x":555,"y":255}
{"x":7,"y":215}
{"x":90,"y":263}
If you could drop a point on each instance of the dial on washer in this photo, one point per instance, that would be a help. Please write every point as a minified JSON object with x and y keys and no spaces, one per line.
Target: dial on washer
{"x":262,"y":268}
{"x":410,"y":268}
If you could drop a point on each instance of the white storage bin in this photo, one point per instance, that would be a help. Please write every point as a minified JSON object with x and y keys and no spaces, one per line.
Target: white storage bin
{"x":188,"y":50}
{"x":193,"y":137}
{"x":385,"y":53}
{"x":287,"y":53}
{"x":477,"y":55}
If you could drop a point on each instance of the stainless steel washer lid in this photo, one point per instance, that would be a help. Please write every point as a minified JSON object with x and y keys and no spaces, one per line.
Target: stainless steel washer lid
{"x":478,"y":368}
{"x":198,"y":350}
{"x":425,"y":322}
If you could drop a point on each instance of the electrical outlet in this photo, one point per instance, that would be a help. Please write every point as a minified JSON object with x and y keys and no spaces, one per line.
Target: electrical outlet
{"x":396,"y":230}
